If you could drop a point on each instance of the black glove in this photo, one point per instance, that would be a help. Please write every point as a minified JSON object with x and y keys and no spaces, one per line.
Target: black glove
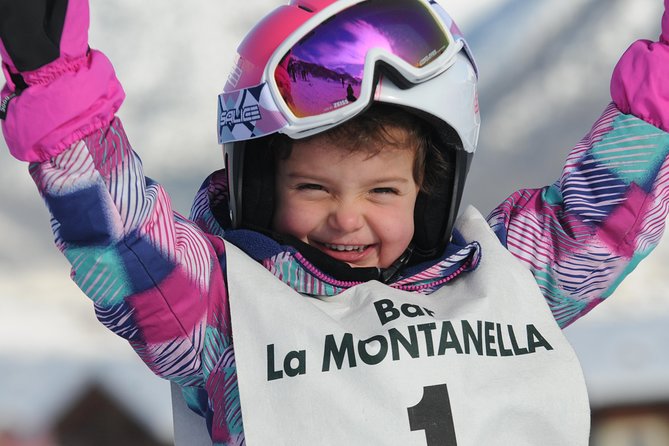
{"x":34,"y":33}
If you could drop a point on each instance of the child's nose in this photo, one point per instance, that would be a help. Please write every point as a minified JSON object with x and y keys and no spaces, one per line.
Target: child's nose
{"x":346,"y":216}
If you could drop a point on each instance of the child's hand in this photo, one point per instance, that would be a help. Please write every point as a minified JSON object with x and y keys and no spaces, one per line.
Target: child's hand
{"x":34,"y":33}
{"x":640,"y":85}
{"x":58,"y":90}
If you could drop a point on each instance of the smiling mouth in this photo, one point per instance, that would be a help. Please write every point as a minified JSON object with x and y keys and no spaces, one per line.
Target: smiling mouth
{"x":345,"y":248}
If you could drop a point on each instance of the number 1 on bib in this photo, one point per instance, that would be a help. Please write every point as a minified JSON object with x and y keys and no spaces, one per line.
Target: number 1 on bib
{"x":433,"y":414}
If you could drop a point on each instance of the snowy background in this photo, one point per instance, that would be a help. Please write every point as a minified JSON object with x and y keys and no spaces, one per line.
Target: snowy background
{"x":545,"y":69}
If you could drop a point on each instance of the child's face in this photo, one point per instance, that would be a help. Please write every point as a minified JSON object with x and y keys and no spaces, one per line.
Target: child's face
{"x":352,"y":206}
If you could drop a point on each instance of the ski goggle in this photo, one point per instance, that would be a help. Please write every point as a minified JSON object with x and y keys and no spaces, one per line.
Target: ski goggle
{"x":325,"y":72}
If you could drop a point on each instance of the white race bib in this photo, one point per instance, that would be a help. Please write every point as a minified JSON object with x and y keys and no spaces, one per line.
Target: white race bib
{"x":480,"y":361}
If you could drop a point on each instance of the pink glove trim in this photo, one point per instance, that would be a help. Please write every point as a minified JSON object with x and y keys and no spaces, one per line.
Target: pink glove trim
{"x":47,"y":118}
{"x":53,"y":70}
{"x":74,"y":40}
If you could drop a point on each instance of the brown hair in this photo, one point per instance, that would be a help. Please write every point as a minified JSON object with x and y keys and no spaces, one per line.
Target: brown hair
{"x":372,"y":130}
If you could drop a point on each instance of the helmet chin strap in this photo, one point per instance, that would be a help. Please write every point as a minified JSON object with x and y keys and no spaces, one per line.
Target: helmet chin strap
{"x":389,"y":274}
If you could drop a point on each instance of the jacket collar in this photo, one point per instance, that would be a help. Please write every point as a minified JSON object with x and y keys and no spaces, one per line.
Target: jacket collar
{"x":292,"y":268}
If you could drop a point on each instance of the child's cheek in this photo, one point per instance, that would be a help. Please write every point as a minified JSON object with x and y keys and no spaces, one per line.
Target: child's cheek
{"x":292,"y":220}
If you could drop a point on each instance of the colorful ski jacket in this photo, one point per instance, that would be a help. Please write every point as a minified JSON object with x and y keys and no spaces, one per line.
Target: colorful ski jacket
{"x":158,"y":279}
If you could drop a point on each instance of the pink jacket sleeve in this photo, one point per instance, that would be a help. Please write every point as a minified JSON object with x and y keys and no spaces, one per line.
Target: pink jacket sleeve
{"x":581,"y":236}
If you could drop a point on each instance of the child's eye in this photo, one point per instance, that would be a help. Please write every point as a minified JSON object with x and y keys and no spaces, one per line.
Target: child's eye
{"x":385,"y":190}
{"x":309,"y":186}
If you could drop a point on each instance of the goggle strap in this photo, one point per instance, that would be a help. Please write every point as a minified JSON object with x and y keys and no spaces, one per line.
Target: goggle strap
{"x":248,"y":113}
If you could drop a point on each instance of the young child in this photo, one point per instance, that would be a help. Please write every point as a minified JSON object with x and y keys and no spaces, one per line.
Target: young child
{"x":322,"y":291}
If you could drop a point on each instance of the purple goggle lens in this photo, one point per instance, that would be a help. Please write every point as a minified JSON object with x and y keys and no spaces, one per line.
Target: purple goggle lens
{"x":324,"y":70}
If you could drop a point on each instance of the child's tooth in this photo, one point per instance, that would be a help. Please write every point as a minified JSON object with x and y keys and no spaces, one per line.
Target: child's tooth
{"x":357,"y":248}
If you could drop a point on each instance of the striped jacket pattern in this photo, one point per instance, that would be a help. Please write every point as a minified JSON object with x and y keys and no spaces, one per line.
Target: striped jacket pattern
{"x":158,"y":279}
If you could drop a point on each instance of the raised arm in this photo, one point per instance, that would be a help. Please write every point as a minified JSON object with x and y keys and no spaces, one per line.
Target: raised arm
{"x":581,"y":236}
{"x":153,"y":276}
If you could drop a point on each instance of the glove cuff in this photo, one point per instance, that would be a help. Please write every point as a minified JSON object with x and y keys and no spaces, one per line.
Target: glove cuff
{"x":51,"y":71}
{"x":638,"y":84}
{"x":65,"y":101}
